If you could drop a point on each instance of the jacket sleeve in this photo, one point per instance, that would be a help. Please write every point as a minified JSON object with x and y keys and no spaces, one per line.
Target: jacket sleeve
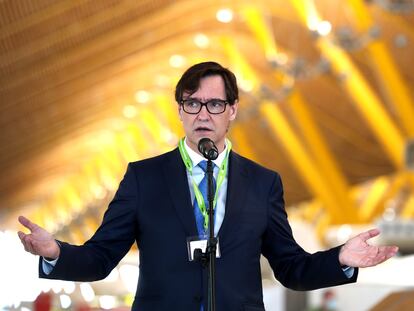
{"x":96,"y":258}
{"x":291,"y":265}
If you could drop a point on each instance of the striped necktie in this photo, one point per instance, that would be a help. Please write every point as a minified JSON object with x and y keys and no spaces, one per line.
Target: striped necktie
{"x":203,"y":187}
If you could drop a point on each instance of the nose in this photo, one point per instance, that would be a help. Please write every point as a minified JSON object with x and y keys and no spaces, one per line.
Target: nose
{"x":203,"y":114}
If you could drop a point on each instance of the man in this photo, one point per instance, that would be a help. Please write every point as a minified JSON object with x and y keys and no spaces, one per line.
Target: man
{"x":159,"y":205}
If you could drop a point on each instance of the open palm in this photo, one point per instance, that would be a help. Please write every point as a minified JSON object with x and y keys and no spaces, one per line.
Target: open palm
{"x":38,"y":241}
{"x":358,"y":253}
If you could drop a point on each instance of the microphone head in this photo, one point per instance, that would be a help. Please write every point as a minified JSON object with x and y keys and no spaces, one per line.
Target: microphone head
{"x":208,"y":149}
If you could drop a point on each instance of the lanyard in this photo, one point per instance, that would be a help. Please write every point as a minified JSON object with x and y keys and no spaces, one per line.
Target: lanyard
{"x":220,"y":178}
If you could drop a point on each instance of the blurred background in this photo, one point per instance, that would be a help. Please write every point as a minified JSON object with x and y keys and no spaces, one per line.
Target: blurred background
{"x":327,"y":100}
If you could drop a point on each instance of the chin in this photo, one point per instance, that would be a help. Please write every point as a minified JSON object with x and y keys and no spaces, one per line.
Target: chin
{"x":198,"y":136}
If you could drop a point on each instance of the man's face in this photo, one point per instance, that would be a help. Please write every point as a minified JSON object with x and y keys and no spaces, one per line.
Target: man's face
{"x":204,"y":124}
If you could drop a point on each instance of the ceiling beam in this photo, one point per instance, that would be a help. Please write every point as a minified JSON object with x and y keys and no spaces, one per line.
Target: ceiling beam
{"x":386,"y":70}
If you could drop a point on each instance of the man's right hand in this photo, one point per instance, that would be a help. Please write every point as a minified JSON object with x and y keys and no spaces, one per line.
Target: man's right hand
{"x":38,"y":241}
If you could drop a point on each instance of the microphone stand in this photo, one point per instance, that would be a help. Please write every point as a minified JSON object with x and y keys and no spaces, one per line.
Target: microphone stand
{"x":211,"y":242}
{"x":207,"y":148}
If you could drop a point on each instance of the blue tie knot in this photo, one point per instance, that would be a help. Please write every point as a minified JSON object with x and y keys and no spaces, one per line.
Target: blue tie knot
{"x":203,"y":165}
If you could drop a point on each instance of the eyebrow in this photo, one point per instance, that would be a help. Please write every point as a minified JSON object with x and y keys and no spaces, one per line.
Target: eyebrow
{"x":200,"y":100}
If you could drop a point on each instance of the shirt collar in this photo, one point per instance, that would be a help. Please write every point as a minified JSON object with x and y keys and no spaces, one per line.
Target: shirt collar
{"x":197,"y":158}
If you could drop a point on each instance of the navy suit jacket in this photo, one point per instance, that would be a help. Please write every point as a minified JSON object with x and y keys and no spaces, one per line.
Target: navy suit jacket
{"x":152,"y":207}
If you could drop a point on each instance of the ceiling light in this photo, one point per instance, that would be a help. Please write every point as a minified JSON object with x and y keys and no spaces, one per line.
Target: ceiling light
{"x":177,"y":61}
{"x":246,"y":85}
{"x":98,"y":191}
{"x":281,"y":59}
{"x":324,"y":28}
{"x":224,"y":15}
{"x":162,"y":80}
{"x":201,"y":40}
{"x":313,"y":22}
{"x":130,"y":111}
{"x":142,"y":97}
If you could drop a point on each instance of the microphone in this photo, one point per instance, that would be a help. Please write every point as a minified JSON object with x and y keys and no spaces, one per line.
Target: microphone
{"x":208,"y":149}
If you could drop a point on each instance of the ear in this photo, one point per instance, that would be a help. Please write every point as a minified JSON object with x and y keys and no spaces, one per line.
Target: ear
{"x":180,"y":112}
{"x":233,"y":110}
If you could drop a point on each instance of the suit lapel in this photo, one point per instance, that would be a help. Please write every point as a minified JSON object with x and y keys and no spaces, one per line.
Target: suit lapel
{"x":237,"y":188}
{"x":177,"y":182}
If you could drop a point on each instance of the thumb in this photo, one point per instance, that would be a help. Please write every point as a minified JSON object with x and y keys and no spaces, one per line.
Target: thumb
{"x":27,"y":223}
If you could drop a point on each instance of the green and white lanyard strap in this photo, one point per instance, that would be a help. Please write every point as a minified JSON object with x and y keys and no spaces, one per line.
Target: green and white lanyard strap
{"x":220,"y":178}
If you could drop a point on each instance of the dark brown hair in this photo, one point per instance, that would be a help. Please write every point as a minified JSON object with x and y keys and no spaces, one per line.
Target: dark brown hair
{"x":190,"y":80}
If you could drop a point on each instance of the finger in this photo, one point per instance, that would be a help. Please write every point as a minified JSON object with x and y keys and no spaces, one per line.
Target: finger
{"x":373,"y":261}
{"x":370,"y":262}
{"x":27,"y":223}
{"x":378,"y":260}
{"x":23,"y":238}
{"x":31,"y":247}
{"x":21,"y":235}
{"x":27,"y":243}
{"x":369,"y":234}
{"x":382,"y":258}
{"x":23,"y":241}
{"x":384,"y":253}
{"x":388,"y":250}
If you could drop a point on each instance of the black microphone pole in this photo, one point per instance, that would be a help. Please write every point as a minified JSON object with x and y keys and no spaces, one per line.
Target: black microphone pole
{"x":209,"y":150}
{"x":212,"y":242}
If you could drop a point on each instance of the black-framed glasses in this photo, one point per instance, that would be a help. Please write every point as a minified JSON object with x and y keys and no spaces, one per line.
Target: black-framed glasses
{"x":194,"y":106}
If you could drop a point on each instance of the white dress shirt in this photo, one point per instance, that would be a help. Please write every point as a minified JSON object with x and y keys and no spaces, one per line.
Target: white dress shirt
{"x":198,"y":175}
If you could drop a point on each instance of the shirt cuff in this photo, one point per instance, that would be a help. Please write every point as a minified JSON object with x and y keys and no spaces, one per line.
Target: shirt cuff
{"x":349,"y":271}
{"x":48,"y":265}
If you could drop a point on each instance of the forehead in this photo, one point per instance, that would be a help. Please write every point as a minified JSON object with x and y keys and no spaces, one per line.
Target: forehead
{"x":210,"y":87}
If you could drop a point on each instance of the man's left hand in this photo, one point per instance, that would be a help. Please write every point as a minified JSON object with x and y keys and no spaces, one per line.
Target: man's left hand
{"x":356,"y":252}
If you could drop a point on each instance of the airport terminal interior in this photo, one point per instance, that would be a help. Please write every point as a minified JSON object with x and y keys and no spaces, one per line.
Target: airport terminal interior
{"x":326,"y":100}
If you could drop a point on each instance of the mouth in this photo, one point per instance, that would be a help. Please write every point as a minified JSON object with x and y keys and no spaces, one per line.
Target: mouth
{"x":202,"y":129}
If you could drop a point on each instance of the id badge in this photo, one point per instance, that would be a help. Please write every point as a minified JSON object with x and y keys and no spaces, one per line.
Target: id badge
{"x":199,"y":242}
